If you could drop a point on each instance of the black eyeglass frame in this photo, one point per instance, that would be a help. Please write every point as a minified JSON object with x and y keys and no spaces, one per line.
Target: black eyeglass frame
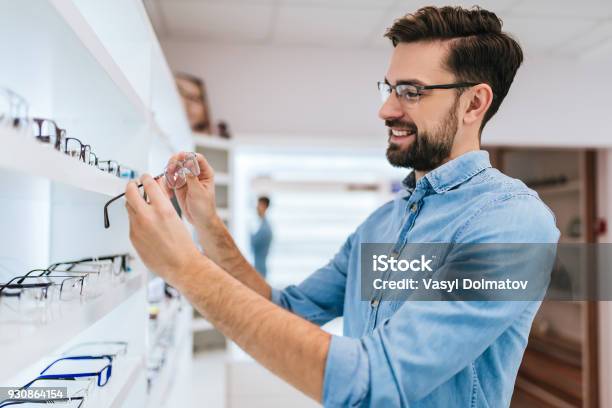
{"x":112,"y":200}
{"x":420,"y":88}
{"x":60,"y":133}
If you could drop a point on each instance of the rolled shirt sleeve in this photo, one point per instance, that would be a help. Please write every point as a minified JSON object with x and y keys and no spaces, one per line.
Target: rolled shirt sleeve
{"x":320,"y":297}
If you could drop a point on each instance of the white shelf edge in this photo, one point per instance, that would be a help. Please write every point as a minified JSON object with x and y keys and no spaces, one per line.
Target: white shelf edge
{"x":211,"y":141}
{"x":44,"y":161}
{"x":52,"y":335}
{"x":85,"y":33}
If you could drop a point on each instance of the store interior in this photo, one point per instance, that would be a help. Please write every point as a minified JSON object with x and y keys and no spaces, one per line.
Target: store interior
{"x":290,"y":113}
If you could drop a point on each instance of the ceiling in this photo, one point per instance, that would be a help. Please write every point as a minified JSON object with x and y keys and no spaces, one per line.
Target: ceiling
{"x":556,"y":27}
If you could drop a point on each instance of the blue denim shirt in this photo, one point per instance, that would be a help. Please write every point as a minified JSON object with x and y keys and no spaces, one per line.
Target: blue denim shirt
{"x":428,"y":353}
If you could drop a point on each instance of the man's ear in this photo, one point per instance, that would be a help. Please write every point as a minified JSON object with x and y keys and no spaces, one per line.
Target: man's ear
{"x":481,"y":97}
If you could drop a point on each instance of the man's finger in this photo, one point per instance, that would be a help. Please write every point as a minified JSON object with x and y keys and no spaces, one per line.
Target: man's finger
{"x":153,"y":191}
{"x":163,"y":184}
{"x":134,"y":199}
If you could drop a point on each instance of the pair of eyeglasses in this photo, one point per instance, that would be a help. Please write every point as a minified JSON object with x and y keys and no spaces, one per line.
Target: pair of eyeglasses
{"x":47,"y":131}
{"x":73,"y":147}
{"x":41,"y":290}
{"x":108,"y":348}
{"x":13,"y":109}
{"x":110,"y":166}
{"x":101,"y":376}
{"x":175,"y":175}
{"x":411,"y":93}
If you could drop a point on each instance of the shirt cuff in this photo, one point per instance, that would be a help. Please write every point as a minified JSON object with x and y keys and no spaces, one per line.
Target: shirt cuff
{"x":346,"y":378}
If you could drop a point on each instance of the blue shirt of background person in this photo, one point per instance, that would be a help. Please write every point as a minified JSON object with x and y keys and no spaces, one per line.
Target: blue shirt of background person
{"x":261,"y":239}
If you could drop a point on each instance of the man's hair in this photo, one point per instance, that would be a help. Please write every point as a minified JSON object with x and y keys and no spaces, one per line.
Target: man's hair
{"x":265,"y":200}
{"x":479,"y":51}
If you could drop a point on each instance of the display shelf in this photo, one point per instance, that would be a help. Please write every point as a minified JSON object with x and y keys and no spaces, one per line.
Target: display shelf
{"x":46,"y":162}
{"x":164,"y":382}
{"x":167,"y":314}
{"x":123,"y":379}
{"x":212,"y":141}
{"x":73,"y":17}
{"x":47,"y":338}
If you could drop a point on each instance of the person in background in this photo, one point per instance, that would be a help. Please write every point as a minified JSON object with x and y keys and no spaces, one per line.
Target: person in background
{"x":262,"y":238}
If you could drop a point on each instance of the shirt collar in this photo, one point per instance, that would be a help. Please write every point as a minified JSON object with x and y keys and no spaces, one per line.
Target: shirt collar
{"x":453,"y":172}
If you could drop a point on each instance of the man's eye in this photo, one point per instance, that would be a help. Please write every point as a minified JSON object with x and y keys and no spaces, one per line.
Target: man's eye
{"x":409,"y":93}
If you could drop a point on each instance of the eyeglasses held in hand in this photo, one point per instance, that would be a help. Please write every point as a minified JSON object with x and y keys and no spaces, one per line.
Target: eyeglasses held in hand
{"x":175,"y":174}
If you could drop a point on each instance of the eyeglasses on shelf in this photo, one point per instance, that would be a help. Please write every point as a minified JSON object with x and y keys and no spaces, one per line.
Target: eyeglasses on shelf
{"x":14,"y":114}
{"x":109,"y":348}
{"x":53,"y":372}
{"x":14,"y":110}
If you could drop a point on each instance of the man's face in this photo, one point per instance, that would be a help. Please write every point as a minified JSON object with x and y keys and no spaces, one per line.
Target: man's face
{"x":421,"y":134}
{"x":261,"y":208}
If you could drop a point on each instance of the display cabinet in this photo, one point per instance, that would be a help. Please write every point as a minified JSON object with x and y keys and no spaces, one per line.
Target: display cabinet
{"x":560,"y":366}
{"x":97,"y":70}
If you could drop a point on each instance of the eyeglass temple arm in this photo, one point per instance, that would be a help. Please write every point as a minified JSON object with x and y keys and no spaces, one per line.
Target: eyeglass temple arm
{"x":112,"y":200}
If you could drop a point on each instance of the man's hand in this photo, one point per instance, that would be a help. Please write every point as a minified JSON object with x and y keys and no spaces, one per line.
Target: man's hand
{"x":157,"y":233}
{"x":286,"y":344}
{"x":197,"y":197}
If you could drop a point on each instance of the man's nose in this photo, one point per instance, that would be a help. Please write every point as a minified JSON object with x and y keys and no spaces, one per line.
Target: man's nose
{"x":391,"y":108}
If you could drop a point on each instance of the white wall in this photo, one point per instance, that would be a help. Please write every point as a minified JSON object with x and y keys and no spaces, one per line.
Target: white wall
{"x":292,"y":93}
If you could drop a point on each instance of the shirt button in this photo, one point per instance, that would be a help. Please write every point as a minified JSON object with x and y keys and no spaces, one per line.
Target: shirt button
{"x":413,"y":208}
{"x":374,"y":302}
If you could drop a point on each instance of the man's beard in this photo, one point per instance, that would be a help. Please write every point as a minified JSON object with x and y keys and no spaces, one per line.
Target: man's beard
{"x":429,"y":149}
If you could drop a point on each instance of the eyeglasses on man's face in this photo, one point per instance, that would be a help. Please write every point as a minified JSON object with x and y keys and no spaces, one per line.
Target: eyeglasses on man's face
{"x":410,"y":94}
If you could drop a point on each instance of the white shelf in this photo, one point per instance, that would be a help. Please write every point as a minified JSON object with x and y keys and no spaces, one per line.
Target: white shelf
{"x":125,"y":375}
{"x":45,"y":339}
{"x":44,"y":161}
{"x":73,"y":17}
{"x":212,"y":141}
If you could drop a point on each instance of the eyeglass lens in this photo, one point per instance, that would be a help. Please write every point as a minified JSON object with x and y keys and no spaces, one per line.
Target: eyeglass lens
{"x":177,"y":171}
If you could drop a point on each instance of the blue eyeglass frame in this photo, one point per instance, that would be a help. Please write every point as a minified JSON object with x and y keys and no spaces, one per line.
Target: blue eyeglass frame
{"x":108,"y":369}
